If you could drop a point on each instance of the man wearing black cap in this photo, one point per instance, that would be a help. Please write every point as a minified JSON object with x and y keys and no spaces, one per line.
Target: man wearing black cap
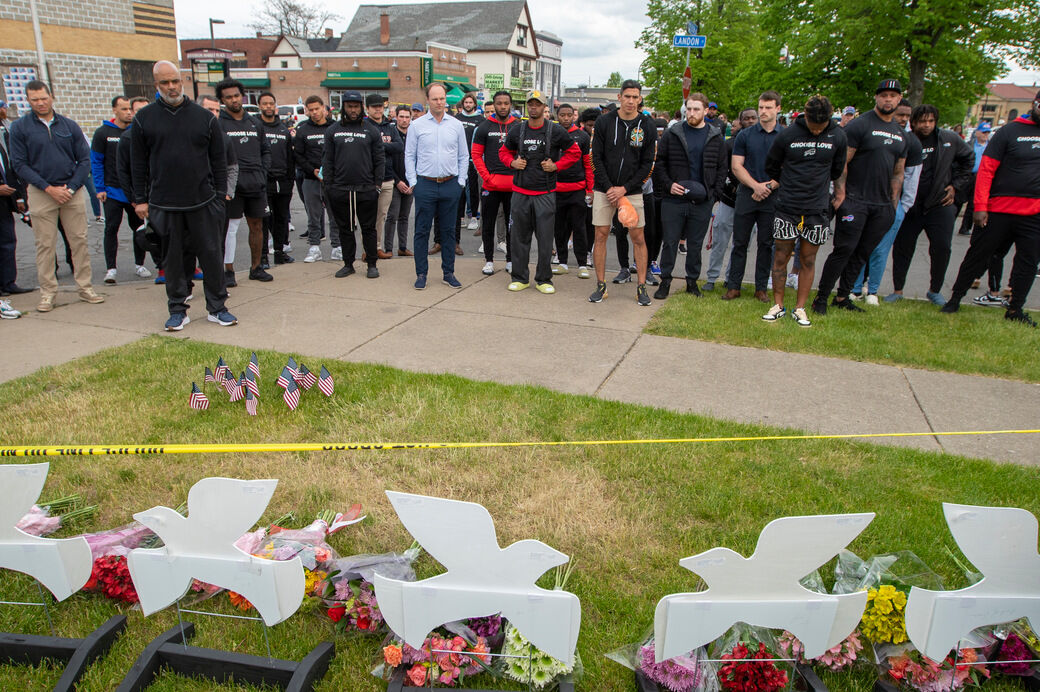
{"x":873,"y":184}
{"x":393,"y":149}
{"x":1007,"y":210}
{"x":352,"y":169}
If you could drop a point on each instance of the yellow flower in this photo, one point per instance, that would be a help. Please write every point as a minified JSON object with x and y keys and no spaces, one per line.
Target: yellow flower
{"x":312,"y":579}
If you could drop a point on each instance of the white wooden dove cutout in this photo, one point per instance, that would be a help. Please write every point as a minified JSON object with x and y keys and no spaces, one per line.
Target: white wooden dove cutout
{"x":1002,"y":543}
{"x":62,"y":565}
{"x":763,"y":589}
{"x":202,"y":546}
{"x":482,"y":578}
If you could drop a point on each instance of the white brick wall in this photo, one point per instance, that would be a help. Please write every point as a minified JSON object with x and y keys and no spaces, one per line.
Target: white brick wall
{"x":103,"y":15}
{"x":83,"y":84}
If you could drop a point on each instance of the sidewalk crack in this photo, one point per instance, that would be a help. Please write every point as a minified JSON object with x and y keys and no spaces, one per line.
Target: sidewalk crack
{"x":617,"y":365}
{"x":924,"y":413}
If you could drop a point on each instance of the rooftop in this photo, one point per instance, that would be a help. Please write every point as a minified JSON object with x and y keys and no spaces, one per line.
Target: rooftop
{"x":485,"y":25}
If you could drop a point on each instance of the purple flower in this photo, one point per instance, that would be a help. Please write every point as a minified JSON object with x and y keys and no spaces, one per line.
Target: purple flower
{"x":486,"y":627}
{"x":679,"y":674}
{"x":1014,"y":650}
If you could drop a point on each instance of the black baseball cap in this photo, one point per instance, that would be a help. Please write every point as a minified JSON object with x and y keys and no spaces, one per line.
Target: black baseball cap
{"x":374,"y":100}
{"x":352,"y":97}
{"x":889,"y":85}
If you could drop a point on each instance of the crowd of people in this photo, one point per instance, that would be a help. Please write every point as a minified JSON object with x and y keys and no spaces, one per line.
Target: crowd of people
{"x":184,"y":174}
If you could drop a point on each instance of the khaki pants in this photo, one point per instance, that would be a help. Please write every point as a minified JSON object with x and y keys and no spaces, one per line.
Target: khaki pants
{"x":386,"y":195}
{"x":45,"y":215}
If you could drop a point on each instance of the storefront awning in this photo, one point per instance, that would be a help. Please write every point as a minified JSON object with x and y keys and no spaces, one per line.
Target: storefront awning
{"x":255,"y":83}
{"x":460,"y":82}
{"x":356,"y":80}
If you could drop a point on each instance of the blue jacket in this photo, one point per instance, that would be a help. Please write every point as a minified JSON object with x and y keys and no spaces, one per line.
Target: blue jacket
{"x":104,"y":160}
{"x":44,"y":156}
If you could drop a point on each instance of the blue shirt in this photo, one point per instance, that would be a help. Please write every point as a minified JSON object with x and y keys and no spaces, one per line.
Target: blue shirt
{"x":979,"y":149}
{"x":753,"y":144}
{"x":436,"y":149}
{"x":43,"y":156}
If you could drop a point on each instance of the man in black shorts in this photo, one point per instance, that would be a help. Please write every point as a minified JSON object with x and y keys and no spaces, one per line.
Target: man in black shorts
{"x":873,"y":183}
{"x":253,"y":151}
{"x":802,"y":161}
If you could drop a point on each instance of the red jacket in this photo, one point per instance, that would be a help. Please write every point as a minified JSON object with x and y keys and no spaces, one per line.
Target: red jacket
{"x":587,"y":180}
{"x":1008,"y":180}
{"x":487,"y":139}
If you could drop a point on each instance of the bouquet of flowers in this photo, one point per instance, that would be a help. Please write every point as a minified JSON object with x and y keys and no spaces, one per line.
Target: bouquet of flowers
{"x":908,"y":667}
{"x":1018,"y":645}
{"x":748,"y":662}
{"x":840,"y":657}
{"x":109,"y":574}
{"x":46,"y":518}
{"x":689,"y":672}
{"x":349,"y":594}
{"x":526,"y":663}
{"x":883,"y":619}
{"x":443,"y":658}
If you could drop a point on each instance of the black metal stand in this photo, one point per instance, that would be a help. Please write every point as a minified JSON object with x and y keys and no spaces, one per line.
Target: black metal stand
{"x":170,"y":650}
{"x":77,"y":653}
{"x":396,"y":683}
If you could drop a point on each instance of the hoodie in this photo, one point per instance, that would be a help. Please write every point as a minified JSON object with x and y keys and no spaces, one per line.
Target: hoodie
{"x":950,"y":163}
{"x":252,"y":150}
{"x":309,"y":145}
{"x":281,"y":175}
{"x":1008,"y":181}
{"x":550,"y":141}
{"x":578,"y":176}
{"x":487,"y":140}
{"x":354,"y":156}
{"x":393,"y":148}
{"x":104,"y":160}
{"x":623,"y":152}
{"x":804,"y":164}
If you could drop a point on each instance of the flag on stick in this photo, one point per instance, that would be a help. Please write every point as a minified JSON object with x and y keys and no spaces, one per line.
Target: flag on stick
{"x":285,"y":378}
{"x":229,"y":382}
{"x":209,"y":377}
{"x":221,"y":370}
{"x":325,"y":382}
{"x":254,"y":365}
{"x":293,"y":367}
{"x":197,"y":400}
{"x":250,"y":383}
{"x":251,"y":402}
{"x":239,"y":390}
{"x":306,"y":378}
{"x":292,"y":395}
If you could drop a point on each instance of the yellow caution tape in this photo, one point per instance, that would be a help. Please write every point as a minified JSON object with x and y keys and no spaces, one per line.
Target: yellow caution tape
{"x":102,"y":449}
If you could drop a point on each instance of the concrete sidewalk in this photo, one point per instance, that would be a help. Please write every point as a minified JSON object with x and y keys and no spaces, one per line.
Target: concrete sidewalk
{"x":561,"y":342}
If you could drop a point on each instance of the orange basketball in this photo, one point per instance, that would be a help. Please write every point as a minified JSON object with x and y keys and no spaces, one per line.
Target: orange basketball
{"x":627,"y":214}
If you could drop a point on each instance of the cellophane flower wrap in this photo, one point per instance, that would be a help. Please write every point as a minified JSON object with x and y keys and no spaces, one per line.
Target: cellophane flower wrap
{"x":529,"y":664}
{"x":109,"y":573}
{"x":840,"y":657}
{"x":1018,"y":647}
{"x":45,"y":518}
{"x":445,"y":658}
{"x":748,"y":661}
{"x":348,"y":593}
{"x":912,"y":670}
{"x":690,"y":672}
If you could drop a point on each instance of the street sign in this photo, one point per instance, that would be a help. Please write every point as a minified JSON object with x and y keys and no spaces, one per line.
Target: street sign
{"x":687,"y":81}
{"x":689,"y":41}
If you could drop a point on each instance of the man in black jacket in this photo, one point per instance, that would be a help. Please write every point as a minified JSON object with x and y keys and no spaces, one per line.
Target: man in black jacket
{"x":721,"y":228}
{"x":401,"y":204}
{"x":392,"y":147}
{"x":179,"y":165}
{"x":945,"y":173}
{"x":801,"y":163}
{"x":12,"y":200}
{"x":352,"y":169}
{"x":309,"y":145}
{"x":125,"y":176}
{"x":624,"y":147}
{"x":250,"y":197}
{"x":691,"y":173}
{"x":280,"y":178}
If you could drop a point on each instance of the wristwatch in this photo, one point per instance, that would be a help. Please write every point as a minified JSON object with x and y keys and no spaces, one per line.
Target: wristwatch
{"x":769,"y":186}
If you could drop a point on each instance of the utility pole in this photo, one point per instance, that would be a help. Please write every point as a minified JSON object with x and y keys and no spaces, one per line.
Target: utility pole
{"x":44,"y":72}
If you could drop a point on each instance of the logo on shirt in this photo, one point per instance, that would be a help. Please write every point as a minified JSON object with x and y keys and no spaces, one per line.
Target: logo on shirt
{"x":850,"y":217}
{"x":809,"y":152}
{"x":635,"y":138}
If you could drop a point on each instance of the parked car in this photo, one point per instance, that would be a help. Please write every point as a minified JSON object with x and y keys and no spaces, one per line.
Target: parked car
{"x":293,"y":114}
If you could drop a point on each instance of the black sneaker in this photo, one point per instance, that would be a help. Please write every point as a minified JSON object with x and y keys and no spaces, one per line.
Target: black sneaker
{"x":264,"y":264}
{"x":345,"y":270}
{"x":372,"y":273}
{"x":283,"y":258}
{"x":846,"y":304}
{"x":1021,"y":317}
{"x":952,"y":305}
{"x":682,"y":247}
{"x":651,"y":278}
{"x":691,"y":288}
{"x":259,"y":274}
{"x":641,"y":295}
{"x":229,"y":278}
{"x":819,"y":305}
{"x":600,"y":293}
{"x":623,"y":277}
{"x":662,"y":292}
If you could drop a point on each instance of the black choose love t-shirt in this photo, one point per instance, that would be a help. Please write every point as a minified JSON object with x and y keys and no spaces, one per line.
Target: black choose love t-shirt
{"x":879,"y":145}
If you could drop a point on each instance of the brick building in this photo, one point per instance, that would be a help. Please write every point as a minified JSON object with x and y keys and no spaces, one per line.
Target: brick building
{"x":1002,"y":103}
{"x":92,"y":52}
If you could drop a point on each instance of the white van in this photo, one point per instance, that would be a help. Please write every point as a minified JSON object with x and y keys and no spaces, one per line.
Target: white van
{"x":293,"y":115}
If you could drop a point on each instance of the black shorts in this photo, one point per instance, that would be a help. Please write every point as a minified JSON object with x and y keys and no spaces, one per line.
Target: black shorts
{"x":250,"y":207}
{"x":812,"y":228}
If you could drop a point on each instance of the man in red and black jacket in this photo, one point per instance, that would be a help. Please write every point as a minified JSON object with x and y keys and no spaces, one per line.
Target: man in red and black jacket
{"x":496,"y":176}
{"x":535,"y":149}
{"x":573,"y":197}
{"x":1007,"y":210}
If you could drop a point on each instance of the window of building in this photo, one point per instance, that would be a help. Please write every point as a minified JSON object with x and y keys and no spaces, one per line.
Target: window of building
{"x":521,"y":35}
{"x":989,"y":108}
{"x":1012,"y":114}
{"x":515,"y":71}
{"x":285,"y":64}
{"x":137,"y":78}
{"x":251,"y":96}
{"x":527,"y":65}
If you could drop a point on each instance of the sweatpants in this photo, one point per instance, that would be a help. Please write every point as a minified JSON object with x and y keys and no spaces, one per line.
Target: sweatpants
{"x":491,"y":200}
{"x":397,"y":222}
{"x":314,"y":202}
{"x":996,"y":266}
{"x":570,"y":221}
{"x":677,"y":218}
{"x":968,"y":222}
{"x":113,"y":220}
{"x":1024,"y":232}
{"x":859,"y":229}
{"x":874,"y":270}
{"x":652,"y":227}
{"x":749,"y":215}
{"x":532,"y":215}
{"x":276,"y":224}
{"x":937,"y":224}
{"x":187,"y":236}
{"x":721,"y":233}
{"x":351,"y":209}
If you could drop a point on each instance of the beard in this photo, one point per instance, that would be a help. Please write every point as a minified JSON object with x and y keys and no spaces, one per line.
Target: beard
{"x":173,"y":100}
{"x":348,"y":118}
{"x":886,"y":110}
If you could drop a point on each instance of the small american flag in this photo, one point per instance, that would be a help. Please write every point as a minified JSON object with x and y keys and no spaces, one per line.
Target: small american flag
{"x":209,"y":376}
{"x":325,"y":382}
{"x":285,"y":378}
{"x":229,"y":382}
{"x":251,"y":403}
{"x":306,"y":378}
{"x":197,"y":400}
{"x":240,"y":388}
{"x":250,"y":383}
{"x":294,"y":369}
{"x":221,"y":370}
{"x":254,"y":365}
{"x":292,"y":395}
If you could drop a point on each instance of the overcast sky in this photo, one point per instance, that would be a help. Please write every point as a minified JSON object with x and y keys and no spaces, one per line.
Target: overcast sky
{"x":598,"y":38}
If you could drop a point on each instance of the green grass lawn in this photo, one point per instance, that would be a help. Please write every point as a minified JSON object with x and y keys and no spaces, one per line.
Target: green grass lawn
{"x":912,"y":333}
{"x":625,"y":514}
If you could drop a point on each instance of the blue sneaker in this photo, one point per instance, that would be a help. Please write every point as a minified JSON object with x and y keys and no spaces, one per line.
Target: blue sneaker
{"x":223,"y":318}
{"x":655,"y":268}
{"x":936,"y":298}
{"x":452,"y":281}
{"x":176,"y":322}
{"x":895,"y":297}
{"x":420,"y":282}
{"x":160,"y":278}
{"x":198,"y":274}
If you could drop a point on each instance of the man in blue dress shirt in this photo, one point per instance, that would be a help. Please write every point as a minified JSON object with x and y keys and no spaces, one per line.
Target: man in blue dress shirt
{"x":436,"y":160}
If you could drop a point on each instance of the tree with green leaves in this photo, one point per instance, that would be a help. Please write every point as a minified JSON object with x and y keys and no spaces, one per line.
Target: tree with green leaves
{"x":614,"y":80}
